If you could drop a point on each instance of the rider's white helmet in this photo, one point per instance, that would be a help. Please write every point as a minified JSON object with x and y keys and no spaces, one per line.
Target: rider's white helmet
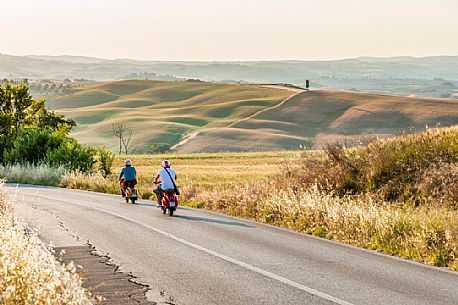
{"x":128,"y":162}
{"x":166,"y":163}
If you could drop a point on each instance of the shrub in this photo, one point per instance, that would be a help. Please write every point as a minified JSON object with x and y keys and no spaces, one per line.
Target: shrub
{"x":55,"y":148}
{"x":32,"y":145}
{"x":103,"y":161}
{"x":402,"y":168}
{"x":159,"y":148}
{"x":71,"y":155}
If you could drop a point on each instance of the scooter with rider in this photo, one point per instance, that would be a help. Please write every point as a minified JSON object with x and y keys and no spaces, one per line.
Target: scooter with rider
{"x":167,"y":189}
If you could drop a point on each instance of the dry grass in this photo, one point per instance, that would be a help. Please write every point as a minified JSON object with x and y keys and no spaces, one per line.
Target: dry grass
{"x":316,"y":117}
{"x":422,"y":234}
{"x":29,"y":273}
{"x":210,"y":172}
{"x":413,"y":169}
{"x":344,"y":195}
{"x":31,"y":174}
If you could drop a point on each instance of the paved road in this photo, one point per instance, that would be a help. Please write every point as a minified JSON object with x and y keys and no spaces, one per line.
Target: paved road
{"x":200,"y":257}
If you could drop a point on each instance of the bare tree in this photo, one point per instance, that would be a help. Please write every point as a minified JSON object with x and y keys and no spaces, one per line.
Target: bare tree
{"x":124,"y":135}
{"x":126,"y":139}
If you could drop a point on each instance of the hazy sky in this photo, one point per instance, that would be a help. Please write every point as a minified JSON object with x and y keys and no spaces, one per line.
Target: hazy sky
{"x":229,"y":30}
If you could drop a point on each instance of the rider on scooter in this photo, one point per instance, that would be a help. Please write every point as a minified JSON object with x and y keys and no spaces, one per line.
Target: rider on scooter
{"x":164,"y":177}
{"x":129,"y":173}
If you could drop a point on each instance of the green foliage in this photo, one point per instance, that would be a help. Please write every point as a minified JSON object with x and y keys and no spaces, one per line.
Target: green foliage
{"x":18,"y":111}
{"x":32,"y":145}
{"x":71,"y":155}
{"x":159,"y":148}
{"x":103,"y":161}
{"x":55,"y":148}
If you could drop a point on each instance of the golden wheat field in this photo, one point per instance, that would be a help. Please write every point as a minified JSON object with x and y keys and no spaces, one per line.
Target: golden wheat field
{"x":210,"y":171}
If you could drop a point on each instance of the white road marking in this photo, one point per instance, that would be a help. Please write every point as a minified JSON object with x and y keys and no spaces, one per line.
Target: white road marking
{"x":213,"y":253}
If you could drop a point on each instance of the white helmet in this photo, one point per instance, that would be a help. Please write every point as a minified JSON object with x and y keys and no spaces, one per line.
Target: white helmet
{"x":166,"y":163}
{"x":128,"y":162}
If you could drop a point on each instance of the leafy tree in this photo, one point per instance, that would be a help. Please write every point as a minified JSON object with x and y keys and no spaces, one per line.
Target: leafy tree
{"x":32,"y":145}
{"x":71,"y":155}
{"x":19,"y":111}
{"x":159,"y":148}
{"x":35,"y":146}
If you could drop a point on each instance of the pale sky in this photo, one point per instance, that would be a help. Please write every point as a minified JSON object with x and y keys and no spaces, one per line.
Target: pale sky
{"x":229,"y":30}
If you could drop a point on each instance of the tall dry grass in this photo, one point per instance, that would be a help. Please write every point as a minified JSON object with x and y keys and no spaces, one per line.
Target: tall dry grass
{"x":413,"y":169}
{"x":32,"y":174}
{"x":29,"y":273}
{"x":418,"y":233}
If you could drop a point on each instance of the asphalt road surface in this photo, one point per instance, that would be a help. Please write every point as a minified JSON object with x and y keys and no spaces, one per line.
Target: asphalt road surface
{"x":199,"y":257}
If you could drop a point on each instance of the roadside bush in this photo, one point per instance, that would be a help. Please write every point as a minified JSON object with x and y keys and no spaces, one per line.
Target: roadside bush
{"x":18,"y":111}
{"x":32,"y":145}
{"x":103,"y":161}
{"x":55,"y":148}
{"x":71,"y":155}
{"x":399,"y":169}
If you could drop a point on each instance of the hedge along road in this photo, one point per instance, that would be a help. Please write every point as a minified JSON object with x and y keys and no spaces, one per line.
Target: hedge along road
{"x":199,"y":257}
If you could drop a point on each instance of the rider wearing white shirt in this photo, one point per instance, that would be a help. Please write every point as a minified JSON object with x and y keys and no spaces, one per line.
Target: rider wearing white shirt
{"x":167,"y":177}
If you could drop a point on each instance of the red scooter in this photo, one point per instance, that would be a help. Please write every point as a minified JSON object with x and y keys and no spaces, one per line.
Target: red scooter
{"x":169,"y":202}
{"x":130,"y":193}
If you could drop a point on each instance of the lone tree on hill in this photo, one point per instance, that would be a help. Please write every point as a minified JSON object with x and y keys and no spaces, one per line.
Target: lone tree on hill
{"x":124,"y":135}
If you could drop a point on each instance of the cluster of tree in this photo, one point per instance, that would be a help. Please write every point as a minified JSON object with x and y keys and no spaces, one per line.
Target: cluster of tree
{"x":159,"y":148}
{"x":29,"y":133}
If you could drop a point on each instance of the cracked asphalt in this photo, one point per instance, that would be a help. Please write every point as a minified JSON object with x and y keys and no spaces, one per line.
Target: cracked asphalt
{"x":199,"y":257}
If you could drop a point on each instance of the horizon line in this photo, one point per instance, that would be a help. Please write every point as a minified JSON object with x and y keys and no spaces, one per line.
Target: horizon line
{"x":234,"y":60}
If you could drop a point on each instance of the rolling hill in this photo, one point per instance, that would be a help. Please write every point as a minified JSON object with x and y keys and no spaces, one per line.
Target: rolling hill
{"x":227,"y":117}
{"x":313,"y":118}
{"x":159,"y":111}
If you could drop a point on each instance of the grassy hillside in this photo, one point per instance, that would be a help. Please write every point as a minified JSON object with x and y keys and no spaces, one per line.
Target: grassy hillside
{"x":159,"y":111}
{"x":225,"y":117}
{"x":314,"y":118}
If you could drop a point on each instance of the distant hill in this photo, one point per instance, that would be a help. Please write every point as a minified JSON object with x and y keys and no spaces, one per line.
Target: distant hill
{"x":404,"y":76}
{"x":314,"y":118}
{"x":159,"y":111}
{"x":229,"y":117}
